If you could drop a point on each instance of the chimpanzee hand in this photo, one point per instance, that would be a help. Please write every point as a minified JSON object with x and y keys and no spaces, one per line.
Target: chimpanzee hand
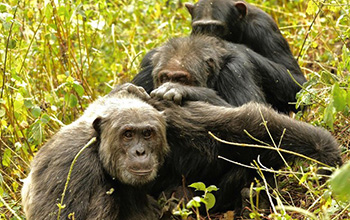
{"x":180,"y":93}
{"x":138,"y":91}
{"x":170,"y":91}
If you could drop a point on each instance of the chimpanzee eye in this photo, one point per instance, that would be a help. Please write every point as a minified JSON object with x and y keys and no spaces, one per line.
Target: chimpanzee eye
{"x":164,"y":78}
{"x":147,"y":133}
{"x":182,"y":80}
{"x":128,"y":134}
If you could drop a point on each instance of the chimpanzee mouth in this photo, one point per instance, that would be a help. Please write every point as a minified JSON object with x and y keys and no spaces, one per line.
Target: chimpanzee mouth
{"x":141,"y":172}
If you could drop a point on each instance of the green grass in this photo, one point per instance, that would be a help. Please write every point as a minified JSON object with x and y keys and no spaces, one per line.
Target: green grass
{"x":58,"y":56}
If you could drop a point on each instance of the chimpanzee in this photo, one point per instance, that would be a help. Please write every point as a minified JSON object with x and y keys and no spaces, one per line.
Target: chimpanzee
{"x":108,"y":179}
{"x":239,"y":22}
{"x":194,"y":153}
{"x":235,"y":72}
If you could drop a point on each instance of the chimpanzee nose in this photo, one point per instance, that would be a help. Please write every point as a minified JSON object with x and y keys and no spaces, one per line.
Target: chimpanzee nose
{"x":140,"y":152}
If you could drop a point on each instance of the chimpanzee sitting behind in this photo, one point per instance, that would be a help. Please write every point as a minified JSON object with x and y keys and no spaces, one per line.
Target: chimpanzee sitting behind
{"x":239,"y":22}
{"x":235,"y":72}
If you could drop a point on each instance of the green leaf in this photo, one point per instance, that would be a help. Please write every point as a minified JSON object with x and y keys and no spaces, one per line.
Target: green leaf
{"x":36,"y":111}
{"x":303,"y":178}
{"x":73,"y":100}
{"x":78,"y":88}
{"x":212,"y":188}
{"x":339,"y":97}
{"x":45,"y":118}
{"x":18,"y":103}
{"x":37,"y":132}
{"x":198,"y":186}
{"x":195,"y":202}
{"x":70,"y":80}
{"x":329,"y":115}
{"x":311,"y":8}
{"x":15,"y":186}
{"x":2,"y":112}
{"x":48,"y":12}
{"x":3,"y":7}
{"x":6,"y":157}
{"x":28,"y":104}
{"x":210,"y":200}
{"x":340,"y":181}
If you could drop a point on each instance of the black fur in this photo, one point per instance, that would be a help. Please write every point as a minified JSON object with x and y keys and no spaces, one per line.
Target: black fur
{"x":240,"y":22}
{"x":235,"y":72}
{"x":194,"y":153}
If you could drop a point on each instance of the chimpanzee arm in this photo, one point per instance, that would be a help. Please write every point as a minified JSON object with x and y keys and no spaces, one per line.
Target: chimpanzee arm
{"x":144,"y":77}
{"x":195,"y":119}
{"x":179,"y":93}
{"x":286,"y":133}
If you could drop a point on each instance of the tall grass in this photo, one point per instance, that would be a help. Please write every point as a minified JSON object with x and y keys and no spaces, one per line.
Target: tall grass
{"x":58,"y":56}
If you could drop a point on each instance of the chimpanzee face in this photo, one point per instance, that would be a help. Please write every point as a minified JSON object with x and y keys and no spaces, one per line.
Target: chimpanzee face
{"x":133,"y":143}
{"x":187,"y":61}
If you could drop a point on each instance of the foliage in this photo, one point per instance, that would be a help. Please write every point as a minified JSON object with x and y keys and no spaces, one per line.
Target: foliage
{"x":208,"y":199}
{"x":56,"y":56}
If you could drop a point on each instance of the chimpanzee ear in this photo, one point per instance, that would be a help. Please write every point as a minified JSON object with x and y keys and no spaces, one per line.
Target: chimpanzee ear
{"x":189,"y":7}
{"x":97,"y":125}
{"x":242,"y":8}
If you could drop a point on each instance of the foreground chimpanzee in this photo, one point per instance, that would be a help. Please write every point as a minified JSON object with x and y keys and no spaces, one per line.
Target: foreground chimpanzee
{"x":236,"y":73}
{"x":239,"y":22}
{"x":107,"y":181}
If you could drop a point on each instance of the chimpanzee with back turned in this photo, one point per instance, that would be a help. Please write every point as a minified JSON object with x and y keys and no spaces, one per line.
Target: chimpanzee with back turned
{"x":236,"y":73}
{"x":240,"y":22}
{"x":194,"y":153}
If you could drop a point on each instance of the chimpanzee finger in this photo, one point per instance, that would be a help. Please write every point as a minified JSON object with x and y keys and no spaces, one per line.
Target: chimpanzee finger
{"x":137,"y":91}
{"x":159,"y":92}
{"x":133,"y":89}
{"x":169,"y":95}
{"x":177,"y":98}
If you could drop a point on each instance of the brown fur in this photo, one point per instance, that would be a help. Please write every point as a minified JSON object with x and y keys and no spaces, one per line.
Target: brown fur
{"x":106,"y":166}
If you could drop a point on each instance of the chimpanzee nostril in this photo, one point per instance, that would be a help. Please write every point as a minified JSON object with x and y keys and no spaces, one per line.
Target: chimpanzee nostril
{"x":140,"y":152}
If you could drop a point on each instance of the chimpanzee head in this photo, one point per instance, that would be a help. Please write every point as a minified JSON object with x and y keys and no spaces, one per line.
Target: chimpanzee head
{"x":133,"y":141}
{"x":190,"y":61}
{"x":221,"y":18}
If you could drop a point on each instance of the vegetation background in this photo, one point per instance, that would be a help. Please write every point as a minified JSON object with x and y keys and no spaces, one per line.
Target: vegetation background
{"x":58,"y":56}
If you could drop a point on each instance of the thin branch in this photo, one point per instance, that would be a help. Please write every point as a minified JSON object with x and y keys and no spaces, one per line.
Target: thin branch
{"x":60,"y":205}
{"x":265,"y":169}
{"x":268,"y":148}
{"x":9,"y":208}
{"x":7,"y":48}
{"x":309,"y":30}
{"x":299,"y":210}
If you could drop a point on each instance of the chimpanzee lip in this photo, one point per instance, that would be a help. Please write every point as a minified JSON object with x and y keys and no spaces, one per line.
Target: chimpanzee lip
{"x":141,"y":172}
